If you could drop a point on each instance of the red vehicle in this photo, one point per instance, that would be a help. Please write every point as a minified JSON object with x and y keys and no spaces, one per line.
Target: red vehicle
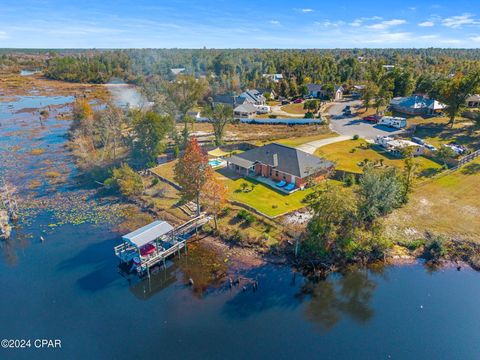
{"x":372,"y":118}
{"x":298,"y":101}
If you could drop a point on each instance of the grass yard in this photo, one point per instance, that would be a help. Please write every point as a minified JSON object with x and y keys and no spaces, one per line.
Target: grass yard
{"x":294,"y":108}
{"x":448,"y":205}
{"x":165,"y":170}
{"x":264,"y":198}
{"x":435,"y":132}
{"x":349,"y":154}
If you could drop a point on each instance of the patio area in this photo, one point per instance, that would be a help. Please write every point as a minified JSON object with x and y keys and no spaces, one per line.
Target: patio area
{"x":273,"y":184}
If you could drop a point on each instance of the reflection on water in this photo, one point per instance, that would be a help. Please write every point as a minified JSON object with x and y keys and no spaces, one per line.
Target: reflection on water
{"x":201,"y":264}
{"x":338,"y":296}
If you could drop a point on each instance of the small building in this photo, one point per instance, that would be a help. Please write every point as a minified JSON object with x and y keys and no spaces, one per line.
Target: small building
{"x":177,"y":71}
{"x":338,"y":93}
{"x":273,"y":77}
{"x":280,"y":163}
{"x":473,"y":101}
{"x":245,"y":110}
{"x":416,"y":105}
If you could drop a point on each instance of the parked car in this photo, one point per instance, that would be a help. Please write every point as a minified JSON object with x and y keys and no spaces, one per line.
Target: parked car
{"x":298,"y":101}
{"x":347,"y":112}
{"x":372,"y":118}
{"x":430,"y":147}
{"x":285,"y":102}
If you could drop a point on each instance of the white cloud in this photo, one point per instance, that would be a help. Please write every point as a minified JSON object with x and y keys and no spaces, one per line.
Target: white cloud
{"x":458,"y":21}
{"x":412,"y":8}
{"x":389,"y":37}
{"x":274,"y":22}
{"x":306,"y":10}
{"x":360,"y":21}
{"x":475,"y":38}
{"x":428,"y":37}
{"x":328,"y":23}
{"x":426,"y":24}
{"x":386,"y":24}
{"x":3,"y":35}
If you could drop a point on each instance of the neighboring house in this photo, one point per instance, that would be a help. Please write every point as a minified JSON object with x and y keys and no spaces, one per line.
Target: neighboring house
{"x":271,"y":91}
{"x":245,"y":110}
{"x":416,"y":105}
{"x":274,"y":77}
{"x":229,"y":100}
{"x":317,"y":91}
{"x":396,"y":146}
{"x":357,"y":90}
{"x":177,"y":71}
{"x":473,"y":101}
{"x":280,"y":162}
{"x":254,"y":97}
{"x":388,"y":67}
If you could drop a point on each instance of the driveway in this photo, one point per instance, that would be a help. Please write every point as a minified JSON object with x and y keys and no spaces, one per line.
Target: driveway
{"x":310,"y":147}
{"x":350,"y":126}
{"x":277,"y":110}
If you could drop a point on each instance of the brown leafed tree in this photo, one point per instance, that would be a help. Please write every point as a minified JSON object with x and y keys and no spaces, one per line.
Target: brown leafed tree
{"x":192,"y":172}
{"x":214,"y":197}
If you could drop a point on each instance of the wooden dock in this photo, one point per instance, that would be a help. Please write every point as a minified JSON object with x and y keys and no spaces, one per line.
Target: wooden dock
{"x":165,"y":245}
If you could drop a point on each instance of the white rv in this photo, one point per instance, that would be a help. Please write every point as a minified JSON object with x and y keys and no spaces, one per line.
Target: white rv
{"x":395,"y":122}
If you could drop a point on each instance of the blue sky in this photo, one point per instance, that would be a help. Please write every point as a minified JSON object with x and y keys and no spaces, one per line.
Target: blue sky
{"x":239,"y":24}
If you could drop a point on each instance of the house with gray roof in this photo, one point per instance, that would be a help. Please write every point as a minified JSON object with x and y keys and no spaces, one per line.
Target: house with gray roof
{"x":245,"y":110}
{"x":254,"y":97}
{"x":416,"y":105}
{"x":276,"y":163}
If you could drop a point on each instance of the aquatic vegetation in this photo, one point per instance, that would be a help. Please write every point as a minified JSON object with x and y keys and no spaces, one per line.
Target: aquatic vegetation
{"x":37,"y":151}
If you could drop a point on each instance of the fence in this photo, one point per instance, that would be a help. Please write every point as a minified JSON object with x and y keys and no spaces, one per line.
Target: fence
{"x":467,"y":158}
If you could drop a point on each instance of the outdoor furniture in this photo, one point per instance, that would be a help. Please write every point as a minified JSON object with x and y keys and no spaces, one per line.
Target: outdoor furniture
{"x":281,"y":183}
{"x":289,"y":187}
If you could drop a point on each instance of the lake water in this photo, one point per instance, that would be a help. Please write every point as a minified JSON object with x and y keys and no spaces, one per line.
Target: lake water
{"x":68,"y":288}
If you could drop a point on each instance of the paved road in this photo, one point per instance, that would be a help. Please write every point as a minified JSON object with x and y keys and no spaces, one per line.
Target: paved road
{"x":310,"y":147}
{"x":355,"y":125}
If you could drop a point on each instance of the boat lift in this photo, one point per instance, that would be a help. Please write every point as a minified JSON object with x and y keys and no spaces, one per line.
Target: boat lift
{"x":154,"y":243}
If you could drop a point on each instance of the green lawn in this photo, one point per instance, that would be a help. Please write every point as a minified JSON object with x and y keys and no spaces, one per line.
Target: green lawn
{"x":264,"y":198}
{"x":448,"y":205}
{"x":294,"y":108}
{"x":349,"y":155}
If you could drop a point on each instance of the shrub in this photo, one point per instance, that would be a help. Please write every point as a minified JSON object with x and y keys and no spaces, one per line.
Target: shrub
{"x":246,"y":216}
{"x":355,"y":137}
{"x":308,"y":115}
{"x":272,"y":116}
{"x":435,"y":248}
{"x":126,"y":180}
{"x":155,"y":181}
{"x":349,"y":180}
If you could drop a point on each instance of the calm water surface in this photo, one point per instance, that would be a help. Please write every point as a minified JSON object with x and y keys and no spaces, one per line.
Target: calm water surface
{"x":68,"y":288}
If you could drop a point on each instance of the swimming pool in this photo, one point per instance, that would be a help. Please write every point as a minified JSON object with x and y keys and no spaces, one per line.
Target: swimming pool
{"x":216,"y":162}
